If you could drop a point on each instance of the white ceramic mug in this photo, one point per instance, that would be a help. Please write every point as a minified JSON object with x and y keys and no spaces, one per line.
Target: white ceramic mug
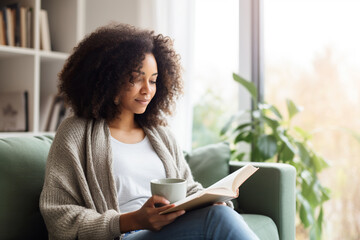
{"x":173,"y":189}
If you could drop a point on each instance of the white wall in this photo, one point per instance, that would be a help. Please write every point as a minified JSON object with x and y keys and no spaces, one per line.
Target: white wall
{"x":99,"y":13}
{"x":169,"y":17}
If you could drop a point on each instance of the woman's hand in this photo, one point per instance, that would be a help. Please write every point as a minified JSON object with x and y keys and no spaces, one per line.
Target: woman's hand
{"x":220,"y":203}
{"x":148,"y":216}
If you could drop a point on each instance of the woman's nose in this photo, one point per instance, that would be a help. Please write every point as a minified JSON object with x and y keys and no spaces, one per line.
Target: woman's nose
{"x":145,"y":87}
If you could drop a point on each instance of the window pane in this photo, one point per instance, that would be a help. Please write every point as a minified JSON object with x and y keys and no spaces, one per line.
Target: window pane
{"x":216,"y":52}
{"x":312,"y":57}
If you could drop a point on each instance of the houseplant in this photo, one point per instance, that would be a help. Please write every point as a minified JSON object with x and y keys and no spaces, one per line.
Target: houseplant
{"x":274,"y":137}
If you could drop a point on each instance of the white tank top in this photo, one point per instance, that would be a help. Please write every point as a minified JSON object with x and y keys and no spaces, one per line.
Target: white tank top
{"x":134,"y":166}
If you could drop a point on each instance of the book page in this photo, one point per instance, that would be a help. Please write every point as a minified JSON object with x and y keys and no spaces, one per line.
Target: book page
{"x":246,"y":172}
{"x":222,"y":191}
{"x":234,"y":180}
{"x":203,"y":200}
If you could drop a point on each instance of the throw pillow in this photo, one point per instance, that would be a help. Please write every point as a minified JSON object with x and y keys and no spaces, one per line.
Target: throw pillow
{"x":210,"y":163}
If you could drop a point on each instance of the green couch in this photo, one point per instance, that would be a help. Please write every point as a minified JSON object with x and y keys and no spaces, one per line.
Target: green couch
{"x":266,"y":201}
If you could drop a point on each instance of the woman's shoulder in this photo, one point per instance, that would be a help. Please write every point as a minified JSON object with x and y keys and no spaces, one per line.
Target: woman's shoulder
{"x":162,"y":134}
{"x":71,"y":128}
{"x":161,"y":131}
{"x":74,"y":121}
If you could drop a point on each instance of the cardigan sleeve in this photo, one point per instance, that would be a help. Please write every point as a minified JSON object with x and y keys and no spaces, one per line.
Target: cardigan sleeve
{"x":65,"y":219}
{"x":68,"y":203}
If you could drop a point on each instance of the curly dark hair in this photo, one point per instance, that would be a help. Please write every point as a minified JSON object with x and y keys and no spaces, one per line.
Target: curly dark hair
{"x":97,"y":71}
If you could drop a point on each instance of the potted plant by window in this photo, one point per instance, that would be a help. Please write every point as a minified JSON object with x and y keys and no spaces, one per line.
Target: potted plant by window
{"x":274,"y":137}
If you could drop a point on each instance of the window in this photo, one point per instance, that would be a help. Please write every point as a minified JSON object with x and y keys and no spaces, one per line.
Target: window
{"x":214,"y":93}
{"x":312,"y":57}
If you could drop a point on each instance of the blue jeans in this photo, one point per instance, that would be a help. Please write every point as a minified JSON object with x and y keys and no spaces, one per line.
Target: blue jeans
{"x":214,"y":222}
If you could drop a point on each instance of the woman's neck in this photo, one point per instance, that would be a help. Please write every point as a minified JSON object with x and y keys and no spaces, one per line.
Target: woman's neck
{"x":124,"y":123}
{"x":126,"y":130}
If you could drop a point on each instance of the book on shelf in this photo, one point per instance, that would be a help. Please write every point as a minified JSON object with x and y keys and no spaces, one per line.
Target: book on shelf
{"x":23,"y":25}
{"x":9,"y":21}
{"x":45,"y":43}
{"x":53,"y":111}
{"x":14,"y":111}
{"x":16,"y":25}
{"x":223,"y":190}
{"x":2,"y":29}
{"x":15,"y":16}
{"x":29,"y":28}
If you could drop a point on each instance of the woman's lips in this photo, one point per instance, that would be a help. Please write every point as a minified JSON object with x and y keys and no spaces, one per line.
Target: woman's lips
{"x":142,"y":101}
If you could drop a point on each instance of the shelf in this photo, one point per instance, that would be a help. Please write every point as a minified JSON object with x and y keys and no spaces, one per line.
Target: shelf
{"x":8,"y":51}
{"x":53,"y":56}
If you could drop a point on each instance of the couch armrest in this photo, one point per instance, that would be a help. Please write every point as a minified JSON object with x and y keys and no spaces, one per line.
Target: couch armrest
{"x":271,"y":192}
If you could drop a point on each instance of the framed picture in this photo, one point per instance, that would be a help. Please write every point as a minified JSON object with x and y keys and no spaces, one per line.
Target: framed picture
{"x":14,"y":112}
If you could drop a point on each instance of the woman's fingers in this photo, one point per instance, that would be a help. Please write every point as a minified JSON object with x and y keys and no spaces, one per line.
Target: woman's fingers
{"x":149,"y":215}
{"x":158,"y":200}
{"x":166,"y":207}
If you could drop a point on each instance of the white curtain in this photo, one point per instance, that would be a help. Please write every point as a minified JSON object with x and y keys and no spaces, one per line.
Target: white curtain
{"x":175,"y":19}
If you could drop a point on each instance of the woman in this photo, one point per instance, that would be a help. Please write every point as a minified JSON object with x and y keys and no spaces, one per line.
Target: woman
{"x":121,"y":82}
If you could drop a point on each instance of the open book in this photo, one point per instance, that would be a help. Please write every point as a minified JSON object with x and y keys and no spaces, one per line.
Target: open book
{"x":221,"y":191}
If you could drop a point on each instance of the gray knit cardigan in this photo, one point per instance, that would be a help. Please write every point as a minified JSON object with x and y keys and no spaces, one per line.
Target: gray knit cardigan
{"x":79,"y":199}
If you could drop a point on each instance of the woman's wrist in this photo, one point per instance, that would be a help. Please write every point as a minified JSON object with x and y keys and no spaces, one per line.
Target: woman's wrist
{"x":128,"y":222}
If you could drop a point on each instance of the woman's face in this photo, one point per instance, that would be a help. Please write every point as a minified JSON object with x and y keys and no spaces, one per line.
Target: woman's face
{"x":138,"y":94}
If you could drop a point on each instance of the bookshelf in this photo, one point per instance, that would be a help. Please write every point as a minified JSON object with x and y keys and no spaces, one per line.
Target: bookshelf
{"x":34,"y":70}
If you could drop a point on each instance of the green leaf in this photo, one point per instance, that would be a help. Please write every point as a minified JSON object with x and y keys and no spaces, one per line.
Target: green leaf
{"x":304,"y":154}
{"x":240,"y":156}
{"x":242,"y":126}
{"x":292,"y":108}
{"x":325,"y":194}
{"x":306,"y":213}
{"x":249,"y":86}
{"x":319,"y":162}
{"x":285,"y":140}
{"x":276,"y":112}
{"x":313,"y":194}
{"x":272,"y":108}
{"x":306,"y":176}
{"x":243,"y":136}
{"x":303,"y":133}
{"x":273,"y":124}
{"x":286,"y":154}
{"x":320,"y":218}
{"x":267,"y":146}
{"x":230,"y":121}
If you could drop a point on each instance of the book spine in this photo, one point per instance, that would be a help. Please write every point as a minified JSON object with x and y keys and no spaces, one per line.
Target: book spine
{"x":2,"y":30}
{"x":23,"y":27}
{"x":4,"y":14}
{"x":45,"y":42}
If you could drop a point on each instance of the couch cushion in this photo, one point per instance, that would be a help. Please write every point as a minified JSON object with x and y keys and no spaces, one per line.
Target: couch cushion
{"x":209,"y":163}
{"x":263,"y":226}
{"x":22,"y":168}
